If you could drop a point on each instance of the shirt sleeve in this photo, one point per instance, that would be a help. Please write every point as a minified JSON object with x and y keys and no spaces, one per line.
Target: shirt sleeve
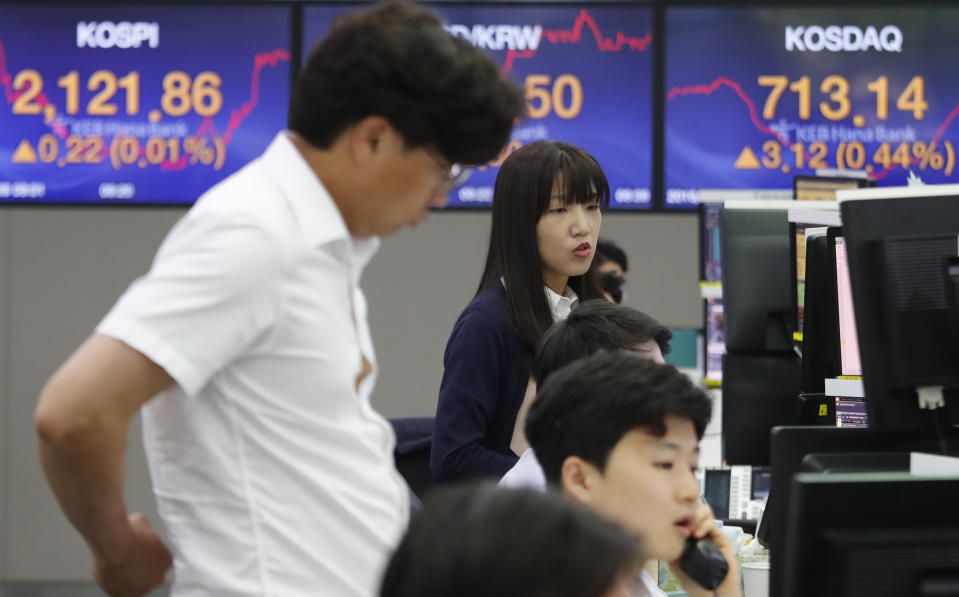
{"x":469,"y":396}
{"x":209,"y":293}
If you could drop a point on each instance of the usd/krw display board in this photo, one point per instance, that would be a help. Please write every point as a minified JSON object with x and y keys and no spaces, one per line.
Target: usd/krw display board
{"x":587,"y":74}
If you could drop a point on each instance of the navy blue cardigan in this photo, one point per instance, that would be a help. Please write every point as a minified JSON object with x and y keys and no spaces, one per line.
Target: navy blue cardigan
{"x":486,"y":370}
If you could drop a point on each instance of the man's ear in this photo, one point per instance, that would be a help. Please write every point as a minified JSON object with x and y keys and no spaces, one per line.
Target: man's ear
{"x":580,"y":479}
{"x":368,"y":137}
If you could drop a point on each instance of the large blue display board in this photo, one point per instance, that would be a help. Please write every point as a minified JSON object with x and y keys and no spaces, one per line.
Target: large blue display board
{"x":136,"y":103}
{"x":587,"y":75}
{"x":757,"y":95}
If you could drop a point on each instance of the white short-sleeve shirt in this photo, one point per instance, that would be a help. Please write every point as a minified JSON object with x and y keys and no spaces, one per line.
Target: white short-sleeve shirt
{"x":272,"y":473}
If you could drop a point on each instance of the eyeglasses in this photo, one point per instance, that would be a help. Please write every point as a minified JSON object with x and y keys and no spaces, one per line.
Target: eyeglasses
{"x":458,"y":175}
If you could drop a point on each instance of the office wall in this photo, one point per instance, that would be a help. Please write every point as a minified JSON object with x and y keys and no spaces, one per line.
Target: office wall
{"x":4,"y":385}
{"x":62,"y":268}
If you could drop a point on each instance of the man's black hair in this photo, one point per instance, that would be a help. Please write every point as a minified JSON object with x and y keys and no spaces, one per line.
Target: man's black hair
{"x":607,"y":250}
{"x":585,"y":408}
{"x":480,"y":541}
{"x":395,"y":60}
{"x":593,"y":326}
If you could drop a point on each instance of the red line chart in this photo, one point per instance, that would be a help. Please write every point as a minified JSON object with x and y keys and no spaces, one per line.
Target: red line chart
{"x":757,"y":122}
{"x":11,"y":96}
{"x":724,"y":82}
{"x":574,"y":35}
{"x":260,"y":62}
{"x":207,"y":127}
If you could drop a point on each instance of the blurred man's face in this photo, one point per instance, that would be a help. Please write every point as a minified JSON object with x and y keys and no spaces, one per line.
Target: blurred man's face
{"x":413,"y":180}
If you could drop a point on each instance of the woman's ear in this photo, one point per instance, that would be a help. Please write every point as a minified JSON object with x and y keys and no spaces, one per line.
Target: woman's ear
{"x":580,"y":479}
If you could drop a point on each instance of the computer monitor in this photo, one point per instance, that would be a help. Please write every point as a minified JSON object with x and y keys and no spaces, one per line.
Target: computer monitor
{"x":797,"y":261}
{"x":716,"y":486}
{"x":759,"y":488}
{"x":823,"y":188}
{"x":848,"y":348}
{"x":790,"y":445}
{"x":710,"y":269}
{"x":850,"y":412}
{"x":760,"y":392}
{"x":715,"y":342}
{"x":819,"y":334}
{"x":843,"y":541}
{"x":899,"y":242}
{"x":756,"y":279}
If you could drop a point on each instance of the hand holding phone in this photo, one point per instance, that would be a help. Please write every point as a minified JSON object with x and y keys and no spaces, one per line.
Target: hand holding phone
{"x":702,"y":562}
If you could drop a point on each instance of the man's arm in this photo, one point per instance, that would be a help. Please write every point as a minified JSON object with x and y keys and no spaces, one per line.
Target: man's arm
{"x":82,"y":418}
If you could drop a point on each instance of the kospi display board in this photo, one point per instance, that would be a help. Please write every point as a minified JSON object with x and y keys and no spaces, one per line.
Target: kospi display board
{"x":136,"y":103}
{"x":587,"y":74}
{"x":754,"y":96}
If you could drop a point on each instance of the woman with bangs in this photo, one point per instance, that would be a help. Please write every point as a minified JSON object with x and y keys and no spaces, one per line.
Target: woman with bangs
{"x":547,"y":210}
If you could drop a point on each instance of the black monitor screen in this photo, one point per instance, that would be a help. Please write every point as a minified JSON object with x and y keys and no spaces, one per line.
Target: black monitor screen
{"x":712,"y":269}
{"x":851,"y":412}
{"x":760,"y":392}
{"x":716,"y":491}
{"x":819,"y":336}
{"x":899,"y":242}
{"x":903,"y":544}
{"x":715,"y":340}
{"x":756,"y":279}
{"x":761,"y":476}
{"x":789,"y":446}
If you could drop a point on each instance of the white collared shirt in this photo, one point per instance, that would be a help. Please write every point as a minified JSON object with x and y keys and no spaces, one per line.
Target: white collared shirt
{"x":526,"y":473}
{"x":272,"y":472}
{"x":561,"y":305}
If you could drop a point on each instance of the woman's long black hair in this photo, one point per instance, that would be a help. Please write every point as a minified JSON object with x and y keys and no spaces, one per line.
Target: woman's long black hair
{"x":521,"y":196}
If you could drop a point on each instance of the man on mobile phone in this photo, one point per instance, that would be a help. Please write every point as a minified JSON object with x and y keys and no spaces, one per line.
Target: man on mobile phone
{"x":620,"y":434}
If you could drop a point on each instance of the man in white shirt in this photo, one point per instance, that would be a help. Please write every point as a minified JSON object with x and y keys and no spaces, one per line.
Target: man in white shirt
{"x":247,"y":342}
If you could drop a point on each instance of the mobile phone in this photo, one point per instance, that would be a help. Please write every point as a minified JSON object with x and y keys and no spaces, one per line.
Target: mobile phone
{"x":704,"y":563}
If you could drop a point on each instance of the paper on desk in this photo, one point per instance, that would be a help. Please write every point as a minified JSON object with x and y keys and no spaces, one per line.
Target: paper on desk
{"x":933,"y":465}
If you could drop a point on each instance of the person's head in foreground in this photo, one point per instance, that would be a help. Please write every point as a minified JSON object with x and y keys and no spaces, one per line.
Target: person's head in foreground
{"x":620,"y":434}
{"x":406,"y":101}
{"x":480,"y":541}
